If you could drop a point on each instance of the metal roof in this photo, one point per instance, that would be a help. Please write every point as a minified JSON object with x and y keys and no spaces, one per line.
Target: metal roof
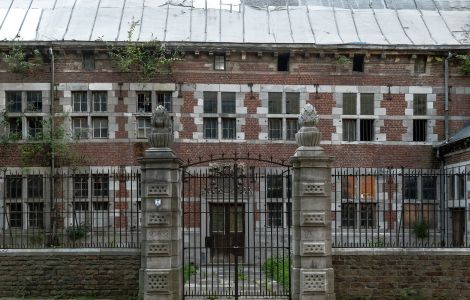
{"x":407,"y":23}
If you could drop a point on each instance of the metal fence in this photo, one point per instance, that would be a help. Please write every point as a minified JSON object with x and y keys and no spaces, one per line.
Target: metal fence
{"x":96,"y":209}
{"x":401,"y":207}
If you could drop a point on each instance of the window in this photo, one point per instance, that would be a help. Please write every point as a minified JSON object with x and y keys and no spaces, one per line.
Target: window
{"x":80,"y":101}
{"x":143,"y":127}
{"x":420,"y":64}
{"x":366,"y":128}
{"x":210,"y":102}
{"x":419,"y":130}
{"x":349,"y":217}
{"x":429,"y":187}
{"x":88,"y":58}
{"x":228,"y":103}
{"x":228,"y":128}
{"x":349,"y":130}
{"x":100,"y":101}
{"x":275,"y":213}
{"x":283,"y":62}
{"x":80,"y":186}
{"x":292,"y":128}
{"x":100,"y":184}
{"x":13,"y":101}
{"x":100,"y":206}
{"x":14,"y":187}
{"x":144,"y":102}
{"x":34,"y":101}
{"x":274,"y":103}
{"x":210,"y":128}
{"x":358,"y":63}
{"x":292,"y":103}
{"x":35,"y":186}
{"x":419,"y":104}
{"x":358,"y":128}
{"x":410,"y":187}
{"x":456,"y":187}
{"x":348,"y":214}
{"x":274,"y":186}
{"x":358,"y":188}
{"x":100,"y":128}
{"x":349,"y":104}
{"x":275,"y":129}
{"x":80,"y":128}
{"x":16,"y":215}
{"x":81,"y":206}
{"x":36,"y":215}
{"x":164,"y":99}
{"x":34,"y":127}
{"x":15,"y":128}
{"x":219,"y":62}
{"x":367,"y":104}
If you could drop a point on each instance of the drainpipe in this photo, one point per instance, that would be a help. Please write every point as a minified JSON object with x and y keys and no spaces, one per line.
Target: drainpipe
{"x":446,"y":93}
{"x":52,"y":237}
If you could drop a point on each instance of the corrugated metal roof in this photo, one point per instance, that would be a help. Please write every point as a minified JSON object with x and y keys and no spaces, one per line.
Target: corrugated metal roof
{"x":321,"y":22}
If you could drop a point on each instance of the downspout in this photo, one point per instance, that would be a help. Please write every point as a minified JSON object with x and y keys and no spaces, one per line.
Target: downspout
{"x":446,"y":96}
{"x":52,"y":238}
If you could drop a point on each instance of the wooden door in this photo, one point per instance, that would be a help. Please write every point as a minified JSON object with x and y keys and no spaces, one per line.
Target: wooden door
{"x":227,"y":236}
{"x":458,"y":227}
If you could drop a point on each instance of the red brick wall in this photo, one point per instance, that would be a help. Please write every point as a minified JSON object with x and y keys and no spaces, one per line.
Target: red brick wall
{"x":434,"y":275}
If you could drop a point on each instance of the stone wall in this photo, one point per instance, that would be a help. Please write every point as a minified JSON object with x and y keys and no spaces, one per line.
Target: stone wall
{"x":388,"y":273}
{"x":65,"y":273}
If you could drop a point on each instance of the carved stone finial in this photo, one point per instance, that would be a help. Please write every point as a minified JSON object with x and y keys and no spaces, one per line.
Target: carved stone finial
{"x":162,"y":134}
{"x":308,"y":135}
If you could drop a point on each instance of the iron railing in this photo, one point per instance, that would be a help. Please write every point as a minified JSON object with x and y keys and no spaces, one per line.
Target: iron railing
{"x":90,"y":209}
{"x":400,"y":207}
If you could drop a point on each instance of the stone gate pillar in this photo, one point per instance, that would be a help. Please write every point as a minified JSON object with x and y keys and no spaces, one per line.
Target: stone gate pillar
{"x":160,"y":274}
{"x":312,"y":273}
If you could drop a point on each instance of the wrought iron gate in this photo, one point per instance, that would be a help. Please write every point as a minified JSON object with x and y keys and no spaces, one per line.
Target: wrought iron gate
{"x":236,"y":228}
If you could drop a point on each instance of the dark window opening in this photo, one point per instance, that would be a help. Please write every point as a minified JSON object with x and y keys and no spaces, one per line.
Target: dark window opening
{"x":349,"y":130}
{"x":429,"y":187}
{"x":419,"y":130}
{"x":15,"y":128}
{"x":88,"y":60}
{"x":292,"y":128}
{"x":34,"y":128}
{"x":80,"y":101}
{"x":16,"y":215}
{"x":36,"y":215}
{"x":410,"y":187}
{"x":348,"y":215}
{"x":420,"y":64}
{"x":164,"y":99}
{"x":14,"y":187}
{"x":228,"y":103}
{"x":274,"y":103}
{"x":13,"y":101}
{"x":366,"y":130}
{"x":275,"y":212}
{"x":283,"y":62}
{"x":349,"y":104}
{"x":34,"y":101}
{"x":80,"y":186}
{"x":275,"y":129}
{"x":419,"y":104}
{"x":367,"y":104}
{"x":100,"y":185}
{"x":274,"y":186}
{"x":292,"y":103}
{"x":35,"y":186}
{"x":358,"y":63}
{"x":219,"y":62}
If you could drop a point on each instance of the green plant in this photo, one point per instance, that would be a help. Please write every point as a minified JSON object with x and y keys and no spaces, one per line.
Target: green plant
{"x":378,"y":243}
{"x":37,"y":239}
{"x":464,"y":68}
{"x":411,"y":294}
{"x":342,"y":60}
{"x":278,"y":268}
{"x":77,"y":232}
{"x":188,"y":271}
{"x":147,"y":58}
{"x":16,"y":58}
{"x":420,"y":229}
{"x":241,"y":274}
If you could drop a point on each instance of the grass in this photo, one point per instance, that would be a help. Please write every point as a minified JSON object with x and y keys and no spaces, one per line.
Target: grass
{"x":278,"y":268}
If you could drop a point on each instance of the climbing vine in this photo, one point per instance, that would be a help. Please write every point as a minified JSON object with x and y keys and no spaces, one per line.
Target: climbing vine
{"x":16,"y":58}
{"x":464,"y":68}
{"x":146,"y":58}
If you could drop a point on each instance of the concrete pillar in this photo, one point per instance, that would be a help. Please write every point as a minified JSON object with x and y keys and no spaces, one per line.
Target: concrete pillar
{"x":161,"y":273}
{"x":312,"y":273}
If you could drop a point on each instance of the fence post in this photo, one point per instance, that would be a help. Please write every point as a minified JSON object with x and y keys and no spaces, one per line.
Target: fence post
{"x":160,"y":274}
{"x":312,"y":272}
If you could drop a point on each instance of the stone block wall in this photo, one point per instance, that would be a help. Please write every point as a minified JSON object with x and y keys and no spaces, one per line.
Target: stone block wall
{"x":66,"y":273}
{"x":387,"y":273}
